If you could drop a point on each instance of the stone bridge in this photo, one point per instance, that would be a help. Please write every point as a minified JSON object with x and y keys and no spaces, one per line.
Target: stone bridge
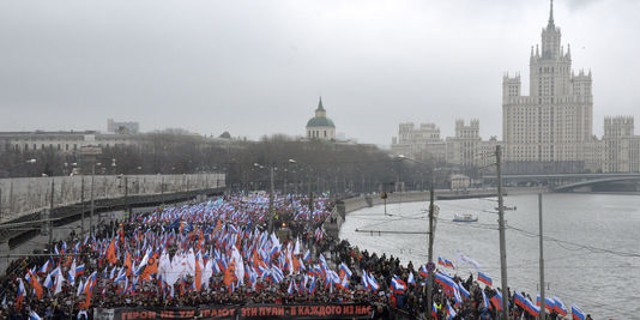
{"x":583,"y":182}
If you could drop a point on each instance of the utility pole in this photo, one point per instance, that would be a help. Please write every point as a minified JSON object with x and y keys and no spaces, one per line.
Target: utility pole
{"x":50,"y":222}
{"x":162,"y":190}
{"x":93,"y":176}
{"x":126,"y":198}
{"x":542,"y":301}
{"x":430,"y":253}
{"x":83,"y":207}
{"x":271,"y":213}
{"x":503,"y":245}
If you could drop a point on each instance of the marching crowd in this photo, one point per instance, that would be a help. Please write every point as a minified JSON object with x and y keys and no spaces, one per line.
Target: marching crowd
{"x":237,"y":250}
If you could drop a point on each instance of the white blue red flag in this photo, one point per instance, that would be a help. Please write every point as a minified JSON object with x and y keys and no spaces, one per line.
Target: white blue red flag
{"x":484,"y":279}
{"x":576,"y":313}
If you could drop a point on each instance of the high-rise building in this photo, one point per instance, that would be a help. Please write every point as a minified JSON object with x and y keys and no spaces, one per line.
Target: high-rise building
{"x":620,"y":145}
{"x":554,"y":122}
{"x":421,"y":143}
{"x":463,"y":148}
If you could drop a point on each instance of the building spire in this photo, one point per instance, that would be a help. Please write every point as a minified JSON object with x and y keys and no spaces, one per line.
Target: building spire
{"x":320,"y":107}
{"x":551,"y":14}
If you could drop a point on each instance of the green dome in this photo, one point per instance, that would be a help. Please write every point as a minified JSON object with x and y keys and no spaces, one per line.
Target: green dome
{"x":320,"y":122}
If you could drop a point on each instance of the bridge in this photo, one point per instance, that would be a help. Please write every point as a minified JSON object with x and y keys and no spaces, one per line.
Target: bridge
{"x":578,"y":182}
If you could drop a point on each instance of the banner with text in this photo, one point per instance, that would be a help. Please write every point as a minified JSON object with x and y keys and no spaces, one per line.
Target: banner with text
{"x":264,"y":311}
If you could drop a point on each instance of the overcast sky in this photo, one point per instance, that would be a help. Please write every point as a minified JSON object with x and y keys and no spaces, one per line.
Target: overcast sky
{"x":258,"y":67}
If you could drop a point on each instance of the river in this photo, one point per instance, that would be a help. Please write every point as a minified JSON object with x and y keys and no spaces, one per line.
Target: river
{"x":591,"y":246}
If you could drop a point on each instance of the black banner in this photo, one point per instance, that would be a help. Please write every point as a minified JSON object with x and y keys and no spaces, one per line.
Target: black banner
{"x":260,"y":311}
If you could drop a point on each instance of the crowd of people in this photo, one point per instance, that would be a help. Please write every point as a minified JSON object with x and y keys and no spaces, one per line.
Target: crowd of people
{"x":236,"y":250}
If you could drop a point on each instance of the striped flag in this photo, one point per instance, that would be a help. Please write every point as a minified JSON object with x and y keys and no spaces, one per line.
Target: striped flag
{"x":484,"y":279}
{"x":485,"y":301}
{"x":576,"y":313}
{"x":496,"y":300}
{"x":559,"y":307}
{"x":411,"y":280}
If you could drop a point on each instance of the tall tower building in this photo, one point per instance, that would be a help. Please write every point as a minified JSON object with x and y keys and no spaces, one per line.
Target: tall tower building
{"x":554,"y":122}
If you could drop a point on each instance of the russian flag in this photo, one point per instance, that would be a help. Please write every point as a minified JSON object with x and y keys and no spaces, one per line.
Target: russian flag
{"x":21,"y":293}
{"x":457,"y":298}
{"x":34,"y":316}
{"x":464,"y":291}
{"x":496,"y":300}
{"x":48,"y":282}
{"x":448,"y":263}
{"x":45,"y":268}
{"x":307,"y":256}
{"x":485,"y":301}
{"x":398,"y":285}
{"x":447,"y":283}
{"x":549,"y":303}
{"x":411,"y":279}
{"x":526,"y":304}
{"x":312,"y":287}
{"x":80,"y":270}
{"x":559,"y":307}
{"x":365,"y":279}
{"x":441,"y":262}
{"x":345,"y":269}
{"x":290,"y":289}
{"x":373,"y":283}
{"x":344,"y":283}
{"x":423,"y":271}
{"x":576,"y":313}
{"x":450,"y":311}
{"x":484,"y":279}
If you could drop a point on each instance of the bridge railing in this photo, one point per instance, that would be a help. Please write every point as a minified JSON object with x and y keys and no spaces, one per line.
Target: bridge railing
{"x":23,"y":196}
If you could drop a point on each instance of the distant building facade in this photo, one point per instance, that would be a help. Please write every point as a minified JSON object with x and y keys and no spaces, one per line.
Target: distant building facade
{"x":320,"y":127}
{"x":63,"y":141}
{"x":123,"y":127}
{"x":420,"y":143}
{"x":465,"y":148}
{"x":462,"y":149}
{"x":621,"y":146}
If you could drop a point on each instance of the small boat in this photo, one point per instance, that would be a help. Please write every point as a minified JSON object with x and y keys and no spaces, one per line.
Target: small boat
{"x":467,"y":217}
{"x":507,"y":208}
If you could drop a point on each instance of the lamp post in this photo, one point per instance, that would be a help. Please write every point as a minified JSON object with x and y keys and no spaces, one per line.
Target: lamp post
{"x":93,"y":206}
{"x":272,"y":169}
{"x":431,"y":232}
{"x":284,"y":185}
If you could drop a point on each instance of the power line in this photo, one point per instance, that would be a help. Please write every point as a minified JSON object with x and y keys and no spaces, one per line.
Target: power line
{"x":581,"y":246}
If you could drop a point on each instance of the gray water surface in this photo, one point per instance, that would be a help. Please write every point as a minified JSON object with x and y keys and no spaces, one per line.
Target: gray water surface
{"x":592,"y":244}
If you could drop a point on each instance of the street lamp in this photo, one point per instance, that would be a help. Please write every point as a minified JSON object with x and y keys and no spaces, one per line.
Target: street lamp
{"x":93,"y":206}
{"x":271,"y":191}
{"x":431,"y":232}
{"x":284,"y":185}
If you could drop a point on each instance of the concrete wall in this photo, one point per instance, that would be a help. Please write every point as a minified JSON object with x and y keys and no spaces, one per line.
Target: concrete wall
{"x":23,"y":196}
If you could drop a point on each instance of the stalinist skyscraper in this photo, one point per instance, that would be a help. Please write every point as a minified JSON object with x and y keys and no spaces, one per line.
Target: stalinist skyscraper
{"x":554,"y":122}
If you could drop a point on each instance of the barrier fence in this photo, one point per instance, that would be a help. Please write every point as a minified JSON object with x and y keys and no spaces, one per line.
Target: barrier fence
{"x":22,"y":196}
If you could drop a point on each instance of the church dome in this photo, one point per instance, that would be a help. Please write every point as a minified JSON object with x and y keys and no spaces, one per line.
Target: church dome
{"x":320,"y":119}
{"x":320,"y":122}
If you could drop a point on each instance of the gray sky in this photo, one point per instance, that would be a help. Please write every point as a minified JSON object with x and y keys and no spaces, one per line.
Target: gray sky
{"x":258,"y":67}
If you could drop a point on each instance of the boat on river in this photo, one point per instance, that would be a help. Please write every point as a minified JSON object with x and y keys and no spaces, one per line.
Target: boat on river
{"x":465,"y":217}
{"x":507,"y":208}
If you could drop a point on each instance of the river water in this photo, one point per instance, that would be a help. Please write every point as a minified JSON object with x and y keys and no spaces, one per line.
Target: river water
{"x":591,"y":246}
